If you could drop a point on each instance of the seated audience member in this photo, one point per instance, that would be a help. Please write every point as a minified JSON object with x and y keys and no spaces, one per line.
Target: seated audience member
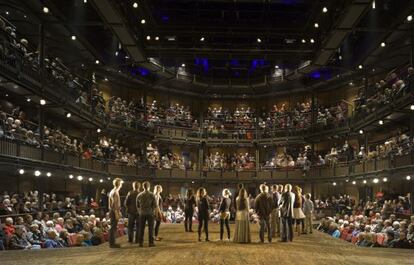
{"x":18,"y":239}
{"x":34,"y":236}
{"x":52,"y":240}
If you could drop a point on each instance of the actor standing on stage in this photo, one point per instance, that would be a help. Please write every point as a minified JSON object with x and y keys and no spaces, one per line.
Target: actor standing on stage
{"x":146,"y":204}
{"x":224,"y":210}
{"x":114,"y":206}
{"x":242,"y":229}
{"x":130,"y":204}
{"x":158,"y":212}
{"x":263,"y":205}
{"x":286,"y":213}
{"x":274,"y":216}
{"x":189,"y":206}
{"x":203,"y":212}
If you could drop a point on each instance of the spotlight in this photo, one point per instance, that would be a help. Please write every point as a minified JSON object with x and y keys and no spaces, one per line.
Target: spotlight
{"x":316,"y":25}
{"x":183,"y":65}
{"x":90,"y":179}
{"x":385,"y":179}
{"x":71,"y":176}
{"x":383,"y":44}
{"x":380,"y":122}
{"x":101,"y":180}
{"x":409,"y":18}
{"x":157,"y":38}
{"x":106,"y":79}
{"x":202,"y":39}
{"x":135,"y":5}
{"x":373,"y":5}
{"x":48,"y":174}
{"x":347,"y":180}
{"x":351,"y":83}
{"x":116,"y":53}
{"x":142,"y":21}
{"x":28,"y":100}
{"x":37,"y":173}
{"x":354,"y":182}
{"x":21,"y":171}
{"x":85,"y":1}
{"x":42,"y":102}
{"x":7,"y":13}
{"x":73,"y":37}
{"x":192,"y":182}
{"x":360,"y":66}
{"x":408,"y":177}
{"x":365,"y":182}
{"x":148,"y":37}
{"x":303,"y":41}
{"x":79,"y":178}
{"x":361,"y":132}
{"x":412,"y":107}
{"x":68,"y":115}
{"x":277,"y":66}
{"x":108,"y":178}
{"x":375,"y":180}
{"x":45,"y":10}
{"x":334,"y":183}
{"x":259,"y":40}
{"x":98,"y":130}
{"x":340,"y":57}
{"x":97,"y":62}
{"x":312,"y":40}
{"x":324,"y":9}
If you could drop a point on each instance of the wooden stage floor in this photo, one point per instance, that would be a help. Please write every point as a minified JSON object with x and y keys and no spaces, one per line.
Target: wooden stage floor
{"x":179,"y":248}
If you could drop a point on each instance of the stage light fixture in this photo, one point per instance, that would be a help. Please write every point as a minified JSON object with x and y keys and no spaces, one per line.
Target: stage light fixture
{"x":312,"y":40}
{"x":202,"y":39}
{"x":412,"y":107}
{"x":96,"y":61}
{"x":316,"y":25}
{"x":68,"y":115}
{"x":116,"y":53}
{"x":73,"y":37}
{"x":383,"y":44}
{"x":183,"y":65}
{"x":409,"y":18}
{"x":98,"y":130}
{"x":71,"y":176}
{"x":148,"y":37}
{"x":90,"y":179}
{"x":108,"y":178}
{"x":106,"y":79}
{"x":45,"y":10}
{"x":101,"y":180}
{"x":385,"y":179}
{"x":42,"y":102}
{"x":303,"y":41}
{"x":7,"y":13}
{"x":85,"y":1}
{"x":259,"y":40}
{"x":364,"y":181}
{"x":79,"y":178}
{"x":277,"y":66}
{"x":360,"y":66}
{"x":324,"y":9}
{"x":48,"y":174}
{"x":37,"y":173}
{"x":361,"y":132}
{"x":135,"y":5}
{"x":380,"y":122}
{"x":157,"y":38}
{"x":143,"y":21}
{"x":334,"y":183}
{"x":374,"y":5}
{"x":354,"y":182}
{"x":375,"y":180}
{"x":21,"y":171}
{"x":408,"y":177}
{"x":28,"y":100}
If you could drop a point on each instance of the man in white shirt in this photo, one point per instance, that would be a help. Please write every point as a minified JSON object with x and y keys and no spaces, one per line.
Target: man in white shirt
{"x":114,"y":206}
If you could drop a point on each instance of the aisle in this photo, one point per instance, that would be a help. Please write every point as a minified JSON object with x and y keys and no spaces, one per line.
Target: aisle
{"x":179,"y":248}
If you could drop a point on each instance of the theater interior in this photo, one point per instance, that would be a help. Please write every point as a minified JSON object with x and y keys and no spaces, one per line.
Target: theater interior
{"x":207,"y":93}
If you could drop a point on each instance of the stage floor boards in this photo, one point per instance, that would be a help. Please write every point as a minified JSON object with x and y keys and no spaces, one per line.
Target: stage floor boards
{"x":180,"y":248}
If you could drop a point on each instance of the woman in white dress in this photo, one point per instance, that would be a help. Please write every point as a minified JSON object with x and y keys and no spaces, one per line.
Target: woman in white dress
{"x":242,"y":230}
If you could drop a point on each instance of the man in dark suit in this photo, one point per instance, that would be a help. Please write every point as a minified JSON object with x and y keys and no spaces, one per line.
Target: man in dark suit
{"x":130,"y":204}
{"x":286,"y":213}
{"x":263,"y":205}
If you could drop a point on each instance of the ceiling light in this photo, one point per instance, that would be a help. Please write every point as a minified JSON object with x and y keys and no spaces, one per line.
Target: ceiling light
{"x":202,"y":39}
{"x":108,"y":178}
{"x":303,"y":41}
{"x":380,"y":122}
{"x":142,"y":21}
{"x":135,"y":5}
{"x":408,"y":177}
{"x":98,"y":130}
{"x":259,"y":40}
{"x":42,"y":102}
{"x":360,"y":66}
{"x":277,"y":66}
{"x":73,"y":37}
{"x":106,"y":79}
{"x":324,"y":9}
{"x":116,"y":53}
{"x":361,"y":132}
{"x":90,"y":179}
{"x":85,"y":1}
{"x":385,"y":179}
{"x":7,"y":95}
{"x":148,"y":37}
{"x":68,"y":115}
{"x":21,"y":171}
{"x":7,"y":12}
{"x":312,"y":40}
{"x":28,"y":100}
{"x":45,"y":10}
{"x":409,"y":18}
{"x":37,"y":173}
{"x":375,"y":180}
{"x":334,"y":183}
{"x":373,"y":5}
{"x":97,"y":62}
{"x":79,"y":178}
{"x":48,"y":174}
{"x":340,"y":57}
{"x":383,"y":44}
{"x":71,"y":176}
{"x":353,"y":182}
{"x":157,"y":38}
{"x":316,"y":25}
{"x":183,"y":65}
{"x":412,"y":107}
{"x":101,"y":180}
{"x":365,"y":182}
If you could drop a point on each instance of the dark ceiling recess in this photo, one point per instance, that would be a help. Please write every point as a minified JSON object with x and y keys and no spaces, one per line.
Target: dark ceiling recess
{"x":214,"y":48}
